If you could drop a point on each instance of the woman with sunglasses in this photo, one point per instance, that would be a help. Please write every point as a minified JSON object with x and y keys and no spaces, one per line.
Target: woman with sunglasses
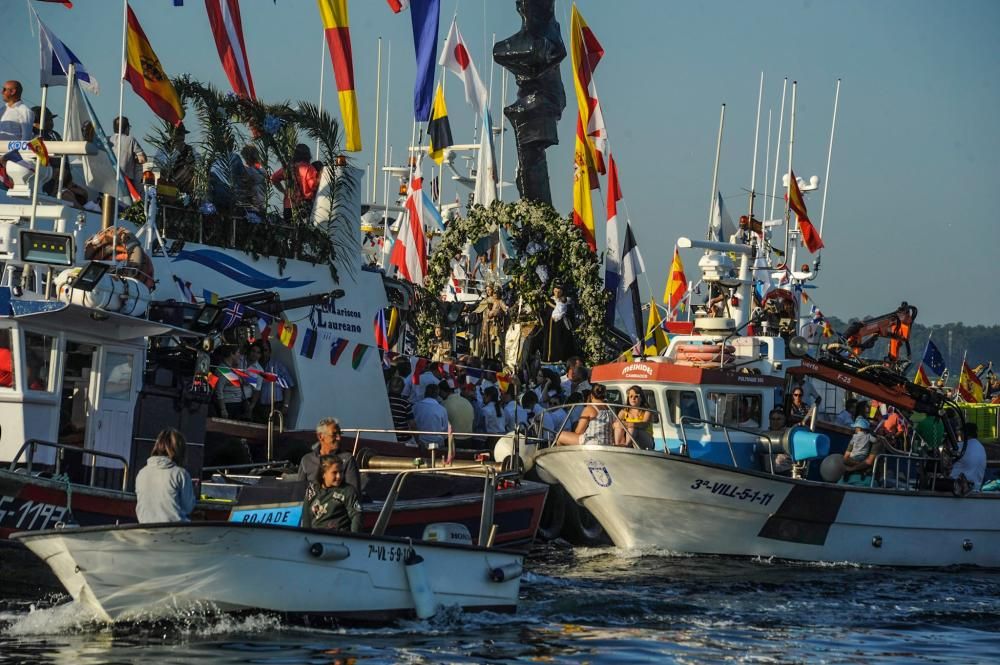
{"x":635,"y":421}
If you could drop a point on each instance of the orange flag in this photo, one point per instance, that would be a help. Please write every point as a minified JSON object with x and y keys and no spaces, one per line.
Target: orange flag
{"x":144,"y":73}
{"x":810,"y":236}
{"x":338,"y":39}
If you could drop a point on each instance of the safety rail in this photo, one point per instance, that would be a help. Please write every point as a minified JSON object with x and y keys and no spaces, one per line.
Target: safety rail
{"x":486,"y":526}
{"x":31,"y":445}
{"x":450,"y":437}
{"x":725,"y":430}
{"x":926,"y":467}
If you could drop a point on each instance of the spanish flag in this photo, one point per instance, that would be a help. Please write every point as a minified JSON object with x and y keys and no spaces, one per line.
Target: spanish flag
{"x":37,"y":146}
{"x":338,"y":39}
{"x":144,"y":73}
{"x":921,"y":378}
{"x":677,"y":284}
{"x":438,"y":128}
{"x":583,"y":207}
{"x":970,"y":388}
{"x":585,"y":52}
{"x":810,"y":236}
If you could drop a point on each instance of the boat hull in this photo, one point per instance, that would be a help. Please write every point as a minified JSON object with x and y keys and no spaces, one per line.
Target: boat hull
{"x":647,"y":499}
{"x":139,"y":572}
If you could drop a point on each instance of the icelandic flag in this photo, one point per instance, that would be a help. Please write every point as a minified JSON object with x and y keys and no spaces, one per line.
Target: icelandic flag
{"x":232,"y":314}
{"x":933,"y":359}
{"x":56,"y":59}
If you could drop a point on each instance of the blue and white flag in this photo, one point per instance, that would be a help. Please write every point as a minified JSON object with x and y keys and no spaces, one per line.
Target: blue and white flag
{"x":232,"y":314}
{"x":56,"y":59}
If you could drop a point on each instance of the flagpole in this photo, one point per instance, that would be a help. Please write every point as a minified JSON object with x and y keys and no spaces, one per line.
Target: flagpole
{"x":378,"y":115}
{"x":322,"y":71}
{"x":70,"y":82}
{"x":756,"y":135}
{"x":38,"y":162}
{"x":387,"y":150}
{"x":503,"y":99}
{"x":121,"y":111}
{"x":777,"y":148}
{"x":715,"y":172}
{"x":788,"y":188}
{"x":829,"y":156}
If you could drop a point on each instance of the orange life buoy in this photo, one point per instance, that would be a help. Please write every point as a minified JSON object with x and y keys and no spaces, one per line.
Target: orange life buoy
{"x":103,"y":246}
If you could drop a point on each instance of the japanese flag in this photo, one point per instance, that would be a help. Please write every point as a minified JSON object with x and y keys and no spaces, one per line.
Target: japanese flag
{"x":455,"y":58}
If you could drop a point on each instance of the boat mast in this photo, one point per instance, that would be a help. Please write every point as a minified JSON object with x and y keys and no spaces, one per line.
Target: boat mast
{"x":777,"y":148}
{"x":753,"y":169}
{"x":322,"y":71}
{"x":826,"y":177}
{"x":378,"y":106}
{"x":713,"y":201}
{"x":790,"y":261}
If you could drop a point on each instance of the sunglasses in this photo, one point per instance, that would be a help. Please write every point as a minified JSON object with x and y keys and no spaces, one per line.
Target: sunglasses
{"x":796,"y":394}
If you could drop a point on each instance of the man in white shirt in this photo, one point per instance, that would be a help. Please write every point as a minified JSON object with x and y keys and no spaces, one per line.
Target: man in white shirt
{"x":133,"y":158}
{"x":969,"y":470}
{"x":16,"y":123}
{"x":430,"y":416}
{"x":846,"y":415}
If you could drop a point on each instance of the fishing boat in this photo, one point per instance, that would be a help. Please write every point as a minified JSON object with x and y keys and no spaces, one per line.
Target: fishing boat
{"x":705,"y":481}
{"x":104,"y":353}
{"x":145,"y":571}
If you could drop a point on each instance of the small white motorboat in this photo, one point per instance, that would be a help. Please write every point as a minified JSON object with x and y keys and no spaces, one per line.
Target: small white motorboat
{"x":146,"y":571}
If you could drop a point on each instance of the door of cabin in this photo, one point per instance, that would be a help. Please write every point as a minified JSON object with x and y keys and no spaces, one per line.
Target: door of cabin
{"x":114,"y":390}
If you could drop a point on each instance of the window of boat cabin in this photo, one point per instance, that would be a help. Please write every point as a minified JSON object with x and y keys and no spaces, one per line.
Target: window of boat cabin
{"x":6,"y":359}
{"x":682,"y":404}
{"x":616,"y":396}
{"x":38,"y":360}
{"x":117,"y":376}
{"x":736,"y":409}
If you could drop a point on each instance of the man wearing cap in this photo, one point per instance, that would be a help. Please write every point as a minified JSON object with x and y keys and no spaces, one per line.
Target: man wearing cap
{"x":132,"y":155}
{"x":860,"y":445}
{"x":46,"y":131}
{"x":178,"y":163}
{"x":17,"y":119}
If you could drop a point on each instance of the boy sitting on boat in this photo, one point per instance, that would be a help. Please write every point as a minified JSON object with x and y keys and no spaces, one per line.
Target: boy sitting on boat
{"x":330,"y":503}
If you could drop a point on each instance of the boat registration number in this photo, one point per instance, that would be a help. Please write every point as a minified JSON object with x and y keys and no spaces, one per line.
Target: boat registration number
{"x":383,"y":553}
{"x":732,"y":491}
{"x":29,"y":515}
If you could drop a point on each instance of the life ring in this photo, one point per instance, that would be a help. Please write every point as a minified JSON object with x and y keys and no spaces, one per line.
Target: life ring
{"x":102,"y":247}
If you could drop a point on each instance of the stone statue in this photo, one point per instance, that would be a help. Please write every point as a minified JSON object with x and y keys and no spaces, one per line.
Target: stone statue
{"x":533,"y":55}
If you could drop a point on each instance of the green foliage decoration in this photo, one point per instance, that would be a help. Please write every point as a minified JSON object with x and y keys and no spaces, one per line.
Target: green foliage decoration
{"x":547,"y":245}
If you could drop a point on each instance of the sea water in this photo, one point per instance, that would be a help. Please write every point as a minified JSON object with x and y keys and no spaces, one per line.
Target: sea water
{"x":593,"y":605}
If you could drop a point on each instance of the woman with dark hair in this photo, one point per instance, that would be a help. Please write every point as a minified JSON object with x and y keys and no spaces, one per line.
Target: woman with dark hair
{"x":596,"y":423}
{"x":331,"y":503}
{"x":493,"y":417}
{"x":300,"y":187}
{"x":635,"y":421}
{"x":163,"y":488}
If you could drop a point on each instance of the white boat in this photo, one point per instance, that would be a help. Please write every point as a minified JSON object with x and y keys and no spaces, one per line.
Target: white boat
{"x":703,"y":481}
{"x":143,"y":571}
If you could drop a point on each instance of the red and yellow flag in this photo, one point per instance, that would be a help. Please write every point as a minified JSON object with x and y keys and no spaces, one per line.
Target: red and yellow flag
{"x":677,"y":284}
{"x":656,"y":339}
{"x":37,"y":146}
{"x":583,"y":207}
{"x":810,"y":236}
{"x":144,"y":73}
{"x":970,"y":388}
{"x":585,"y":53}
{"x":338,"y":39}
{"x":921,"y":378}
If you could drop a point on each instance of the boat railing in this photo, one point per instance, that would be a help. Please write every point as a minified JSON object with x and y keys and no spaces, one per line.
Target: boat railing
{"x":31,"y":447}
{"x":487,"y":529}
{"x":903,"y":472}
{"x":519,"y":438}
{"x":631,"y":441}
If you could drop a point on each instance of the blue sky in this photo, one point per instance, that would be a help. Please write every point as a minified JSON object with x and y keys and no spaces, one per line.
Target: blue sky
{"x":915,"y":160}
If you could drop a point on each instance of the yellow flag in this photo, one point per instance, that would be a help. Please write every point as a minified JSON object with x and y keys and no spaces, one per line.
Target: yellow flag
{"x":656,"y":338}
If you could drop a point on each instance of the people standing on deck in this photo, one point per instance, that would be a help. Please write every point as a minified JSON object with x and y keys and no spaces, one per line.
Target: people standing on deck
{"x":282,"y":390}
{"x":493,"y":416}
{"x":230,"y":400}
{"x":968,"y":471}
{"x":254,"y":191}
{"x":17,"y":119}
{"x":164,"y":491}
{"x":133,"y":157}
{"x":330,"y":502}
{"x":461,"y":415}
{"x":596,"y":423}
{"x":430,"y":416}
{"x":401,"y":410}
{"x":300,"y":187}
{"x":328,"y":438}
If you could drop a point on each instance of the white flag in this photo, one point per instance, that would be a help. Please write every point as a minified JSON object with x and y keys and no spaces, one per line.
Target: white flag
{"x":455,"y":58}
{"x":486,"y":168}
{"x":722,"y":223}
